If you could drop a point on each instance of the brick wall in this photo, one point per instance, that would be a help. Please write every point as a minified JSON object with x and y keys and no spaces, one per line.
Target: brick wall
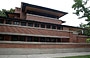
{"x":68,"y":45}
{"x":43,"y":19}
{"x":66,"y":28}
{"x":17,"y":10}
{"x":82,"y":38}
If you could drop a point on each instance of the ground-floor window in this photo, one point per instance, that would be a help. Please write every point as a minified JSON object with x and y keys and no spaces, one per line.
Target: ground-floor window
{"x":48,"y":40}
{"x":8,"y":22}
{"x":53,"y":40}
{"x":33,"y":39}
{"x":1,"y":37}
{"x":22,"y":38}
{"x":65,"y":39}
{"x":14,"y":38}
{"x":29,"y":39}
{"x":1,"y":21}
{"x":42,"y":39}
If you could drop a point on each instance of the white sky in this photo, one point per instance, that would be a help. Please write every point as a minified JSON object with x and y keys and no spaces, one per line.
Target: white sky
{"x":61,"y":5}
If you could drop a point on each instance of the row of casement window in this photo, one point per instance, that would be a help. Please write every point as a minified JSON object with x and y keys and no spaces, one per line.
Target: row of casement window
{"x":31,"y":24}
{"x":32,"y":39}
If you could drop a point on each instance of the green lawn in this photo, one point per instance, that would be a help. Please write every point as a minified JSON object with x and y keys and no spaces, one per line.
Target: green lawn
{"x":84,"y":56}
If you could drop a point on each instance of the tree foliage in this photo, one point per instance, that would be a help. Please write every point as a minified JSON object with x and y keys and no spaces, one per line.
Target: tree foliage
{"x":88,"y":40}
{"x":2,"y":12}
{"x":80,"y":7}
{"x":86,"y":29}
{"x":83,"y":12}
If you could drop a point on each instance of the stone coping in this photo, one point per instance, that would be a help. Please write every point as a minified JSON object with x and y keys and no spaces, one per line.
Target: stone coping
{"x":19,"y":42}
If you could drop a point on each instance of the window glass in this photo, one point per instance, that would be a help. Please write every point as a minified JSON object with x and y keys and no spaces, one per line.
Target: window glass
{"x":8,"y":22}
{"x":36,"y":25}
{"x":36,"y":39}
{"x":58,"y":40}
{"x":59,"y":27}
{"x":53,"y":27}
{"x":42,"y":25}
{"x":53,"y":40}
{"x":14,"y":38}
{"x":29,"y":39}
{"x":1,"y":38}
{"x":30,"y":24}
{"x":1,"y":21}
{"x":47,"y":39}
{"x":42,"y":39}
{"x":21,"y":38}
{"x":23,"y":23}
{"x":16,"y":22}
{"x":48,"y":26}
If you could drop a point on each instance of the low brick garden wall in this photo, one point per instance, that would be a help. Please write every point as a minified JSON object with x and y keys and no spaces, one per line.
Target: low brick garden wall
{"x":9,"y":44}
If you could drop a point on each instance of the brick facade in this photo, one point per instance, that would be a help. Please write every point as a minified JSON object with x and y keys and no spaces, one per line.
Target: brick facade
{"x":68,"y":45}
{"x":32,"y":23}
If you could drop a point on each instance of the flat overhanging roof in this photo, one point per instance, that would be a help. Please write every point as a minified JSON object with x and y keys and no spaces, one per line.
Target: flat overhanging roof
{"x":39,"y":10}
{"x":12,"y":14}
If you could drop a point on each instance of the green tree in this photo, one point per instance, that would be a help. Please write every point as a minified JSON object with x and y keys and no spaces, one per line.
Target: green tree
{"x":80,"y":7}
{"x":88,"y":40}
{"x":83,"y":12}
{"x":86,"y":29}
{"x":2,"y":12}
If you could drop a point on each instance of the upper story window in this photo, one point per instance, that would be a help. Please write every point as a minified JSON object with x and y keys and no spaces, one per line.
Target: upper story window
{"x":59,"y":27}
{"x":16,"y":22}
{"x":23,"y":23}
{"x":53,"y":27}
{"x":48,"y":26}
{"x":8,"y":22}
{"x":1,"y":21}
{"x":30,"y":24}
{"x":36,"y":25}
{"x":42,"y":25}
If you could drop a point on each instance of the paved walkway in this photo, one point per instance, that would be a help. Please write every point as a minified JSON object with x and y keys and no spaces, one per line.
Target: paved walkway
{"x":45,"y":55}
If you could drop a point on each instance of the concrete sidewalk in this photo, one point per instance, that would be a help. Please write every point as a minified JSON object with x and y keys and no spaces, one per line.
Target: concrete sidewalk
{"x":45,"y":55}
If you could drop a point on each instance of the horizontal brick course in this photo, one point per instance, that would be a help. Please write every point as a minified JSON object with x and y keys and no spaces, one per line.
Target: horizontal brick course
{"x":33,"y":31}
{"x":44,"y":45}
{"x":43,"y":19}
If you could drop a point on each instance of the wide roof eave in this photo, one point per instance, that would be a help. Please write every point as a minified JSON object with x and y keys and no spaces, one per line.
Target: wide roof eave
{"x":42,"y":8}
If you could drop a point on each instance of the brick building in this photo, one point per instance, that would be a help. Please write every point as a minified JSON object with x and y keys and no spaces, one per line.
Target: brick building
{"x":36,"y":25}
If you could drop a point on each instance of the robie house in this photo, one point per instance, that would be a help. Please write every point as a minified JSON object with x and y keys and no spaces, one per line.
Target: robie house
{"x":33,"y":26}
